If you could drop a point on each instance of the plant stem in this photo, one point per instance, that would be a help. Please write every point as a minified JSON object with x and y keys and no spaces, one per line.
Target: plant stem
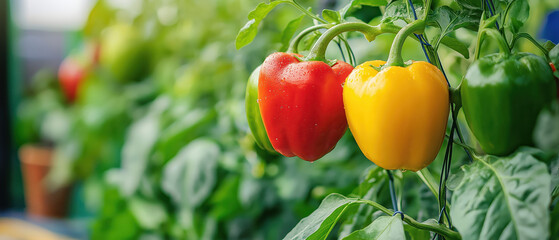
{"x":468,"y":149}
{"x":305,"y":11}
{"x":352,"y":59}
{"x":477,"y":50}
{"x":395,"y":57}
{"x":456,"y":97}
{"x":429,"y":180}
{"x":318,"y":50}
{"x":392,"y":191}
{"x":437,"y":228}
{"x":490,"y":5}
{"x":496,"y":35}
{"x":427,"y":8}
{"x":534,"y":42}
{"x":295,"y":43}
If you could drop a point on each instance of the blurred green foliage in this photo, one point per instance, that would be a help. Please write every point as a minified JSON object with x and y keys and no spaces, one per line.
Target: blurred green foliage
{"x":159,"y":136}
{"x":158,"y":132}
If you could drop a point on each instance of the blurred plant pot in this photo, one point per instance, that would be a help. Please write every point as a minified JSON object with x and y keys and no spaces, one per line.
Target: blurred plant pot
{"x":40,"y":199}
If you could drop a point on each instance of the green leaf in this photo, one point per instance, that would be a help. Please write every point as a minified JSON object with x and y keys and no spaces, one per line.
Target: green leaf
{"x":518,"y":12}
{"x":150,"y":214}
{"x":358,"y":3}
{"x":308,"y":41}
{"x":382,"y":228}
{"x":100,"y":17}
{"x":136,"y":152}
{"x":225,"y":200}
{"x":416,"y":233}
{"x":476,"y":5}
{"x":65,"y":156}
{"x":331,"y":16}
{"x":374,"y":181}
{"x":373,"y":186}
{"x":549,"y":45}
{"x":399,"y":10}
{"x":489,"y":22}
{"x":320,"y":222}
{"x":248,"y":32}
{"x":449,"y":20}
{"x":190,"y":176}
{"x":546,"y":131}
{"x":456,"y":45}
{"x":56,"y":125}
{"x":554,"y":226}
{"x":182,"y":131}
{"x":289,"y":31}
{"x":503,"y":198}
{"x":554,"y":168}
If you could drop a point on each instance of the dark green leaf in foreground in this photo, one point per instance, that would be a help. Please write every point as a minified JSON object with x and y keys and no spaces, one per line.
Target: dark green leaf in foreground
{"x":384,"y":227}
{"x":320,"y":222}
{"x":373,"y":186}
{"x":503,"y":198}
{"x":414,"y":233}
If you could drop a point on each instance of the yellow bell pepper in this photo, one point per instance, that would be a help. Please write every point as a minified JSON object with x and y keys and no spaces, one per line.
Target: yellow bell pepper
{"x":398,"y":116}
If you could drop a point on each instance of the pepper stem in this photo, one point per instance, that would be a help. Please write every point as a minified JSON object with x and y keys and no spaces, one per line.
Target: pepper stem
{"x":318,"y":51}
{"x":533,"y":41}
{"x":395,"y":56}
{"x":496,"y":35}
{"x":293,"y":46}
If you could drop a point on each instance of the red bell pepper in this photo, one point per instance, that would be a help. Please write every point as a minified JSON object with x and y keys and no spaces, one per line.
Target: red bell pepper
{"x":71,"y":74}
{"x":302,"y":105}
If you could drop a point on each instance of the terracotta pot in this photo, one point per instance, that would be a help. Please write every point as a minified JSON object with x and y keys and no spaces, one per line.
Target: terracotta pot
{"x":40,"y":199}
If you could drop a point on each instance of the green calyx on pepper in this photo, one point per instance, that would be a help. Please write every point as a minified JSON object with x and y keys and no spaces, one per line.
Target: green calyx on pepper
{"x":395,"y":55}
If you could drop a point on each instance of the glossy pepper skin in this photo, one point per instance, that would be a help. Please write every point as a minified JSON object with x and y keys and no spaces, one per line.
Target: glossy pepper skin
{"x":502,"y":97}
{"x":397,"y":116}
{"x":253,"y":113}
{"x":301,"y":104}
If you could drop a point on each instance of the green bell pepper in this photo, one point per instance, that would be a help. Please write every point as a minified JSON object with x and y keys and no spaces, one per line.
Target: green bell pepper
{"x":502,"y":96}
{"x":254,"y":117}
{"x":554,"y":56}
